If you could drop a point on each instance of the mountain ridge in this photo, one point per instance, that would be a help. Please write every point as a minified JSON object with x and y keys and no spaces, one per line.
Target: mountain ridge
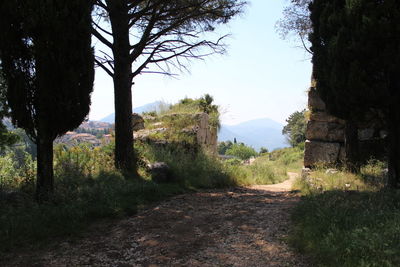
{"x":257,"y":133}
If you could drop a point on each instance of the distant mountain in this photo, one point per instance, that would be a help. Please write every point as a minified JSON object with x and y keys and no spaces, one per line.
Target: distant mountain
{"x":155,"y":106}
{"x":256,"y":133}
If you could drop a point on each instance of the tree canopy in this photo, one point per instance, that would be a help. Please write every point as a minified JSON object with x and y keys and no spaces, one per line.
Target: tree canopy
{"x":48,"y":64}
{"x":356,"y":54}
{"x":295,"y":129}
{"x":153,"y":36}
{"x":296,"y":22}
{"x":241,"y":151}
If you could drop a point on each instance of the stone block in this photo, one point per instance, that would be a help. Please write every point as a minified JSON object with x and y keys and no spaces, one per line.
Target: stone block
{"x":317,"y":152}
{"x":325,"y":117}
{"x":137,"y":122}
{"x":160,"y":172}
{"x":325,"y":131}
{"x":315,"y":103}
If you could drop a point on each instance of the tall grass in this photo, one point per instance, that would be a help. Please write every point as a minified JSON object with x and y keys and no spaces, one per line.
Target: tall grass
{"x":88,"y":188}
{"x":348,"y":220}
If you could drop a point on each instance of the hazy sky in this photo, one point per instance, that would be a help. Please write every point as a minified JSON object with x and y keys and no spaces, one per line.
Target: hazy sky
{"x":260,"y":76}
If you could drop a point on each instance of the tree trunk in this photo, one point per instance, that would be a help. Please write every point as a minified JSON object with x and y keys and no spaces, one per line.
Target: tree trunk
{"x":351,"y":147}
{"x":45,"y":176}
{"x":124,"y":153}
{"x":394,"y":149}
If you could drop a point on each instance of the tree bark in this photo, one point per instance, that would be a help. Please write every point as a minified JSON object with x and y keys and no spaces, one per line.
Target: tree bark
{"x":124,"y":153}
{"x":394,"y":149}
{"x":45,"y":176}
{"x":351,"y":147}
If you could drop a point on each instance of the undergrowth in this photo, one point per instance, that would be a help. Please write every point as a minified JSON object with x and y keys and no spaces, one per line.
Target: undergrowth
{"x":88,"y":188}
{"x":347,"y":219}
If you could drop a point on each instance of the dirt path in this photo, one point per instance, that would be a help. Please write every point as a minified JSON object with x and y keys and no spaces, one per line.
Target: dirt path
{"x":236,"y":227}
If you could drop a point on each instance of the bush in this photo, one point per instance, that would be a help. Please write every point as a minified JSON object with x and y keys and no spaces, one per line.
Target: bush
{"x":241,"y":151}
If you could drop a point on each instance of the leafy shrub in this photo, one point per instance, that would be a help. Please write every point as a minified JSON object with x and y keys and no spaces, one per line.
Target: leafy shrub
{"x":241,"y":151}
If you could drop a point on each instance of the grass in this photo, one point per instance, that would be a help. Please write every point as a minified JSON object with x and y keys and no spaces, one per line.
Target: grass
{"x":85,"y":190}
{"x":348,"y":220}
{"x":88,"y":188}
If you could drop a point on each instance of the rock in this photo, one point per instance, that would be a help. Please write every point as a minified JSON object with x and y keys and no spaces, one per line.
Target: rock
{"x":305,"y":173}
{"x":315,"y":103}
{"x":325,"y":117}
{"x":160,"y":172}
{"x":137,"y":122}
{"x":317,"y":152}
{"x":325,"y":131}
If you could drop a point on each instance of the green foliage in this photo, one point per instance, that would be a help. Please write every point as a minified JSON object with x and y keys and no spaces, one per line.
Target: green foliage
{"x":263,"y":150}
{"x":192,"y":169}
{"x":224,"y":146}
{"x":49,"y":75}
{"x":295,"y":129}
{"x":241,"y":151}
{"x":295,"y":22}
{"x":17,"y":170}
{"x":348,"y":220}
{"x":356,"y":54}
{"x":56,"y":73}
{"x":194,"y":106}
{"x":261,"y":171}
{"x":349,"y":229}
{"x":291,"y":158}
{"x":88,"y":187}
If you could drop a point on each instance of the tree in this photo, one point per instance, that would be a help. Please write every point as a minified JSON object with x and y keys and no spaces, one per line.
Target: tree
{"x":206,"y":104}
{"x":152,"y":36}
{"x":295,"y":129}
{"x":296,"y":21}
{"x":356,"y":54}
{"x":241,"y":151}
{"x":48,"y":63}
{"x":223,"y":147}
{"x":263,"y":150}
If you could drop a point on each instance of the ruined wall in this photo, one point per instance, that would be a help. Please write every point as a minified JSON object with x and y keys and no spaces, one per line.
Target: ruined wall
{"x":206,"y":136}
{"x":324,"y":134}
{"x":198,"y":130}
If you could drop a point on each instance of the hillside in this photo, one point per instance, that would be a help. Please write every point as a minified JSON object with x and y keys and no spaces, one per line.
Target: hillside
{"x":256,"y":133}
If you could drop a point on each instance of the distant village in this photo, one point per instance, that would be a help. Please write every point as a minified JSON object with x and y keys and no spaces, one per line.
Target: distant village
{"x":95,"y":133}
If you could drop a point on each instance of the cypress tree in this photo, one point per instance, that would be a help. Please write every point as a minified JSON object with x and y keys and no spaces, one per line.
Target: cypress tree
{"x":356,"y":48}
{"x":47,"y":58}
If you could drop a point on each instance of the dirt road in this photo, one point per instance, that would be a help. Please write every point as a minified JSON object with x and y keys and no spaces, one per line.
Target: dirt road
{"x":236,"y":227}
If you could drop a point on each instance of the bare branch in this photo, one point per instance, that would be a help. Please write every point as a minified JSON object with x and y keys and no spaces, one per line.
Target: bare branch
{"x":101,"y":38}
{"x":101,"y":65}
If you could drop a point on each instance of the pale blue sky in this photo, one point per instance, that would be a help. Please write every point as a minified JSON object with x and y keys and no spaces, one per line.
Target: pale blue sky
{"x":260,"y":76}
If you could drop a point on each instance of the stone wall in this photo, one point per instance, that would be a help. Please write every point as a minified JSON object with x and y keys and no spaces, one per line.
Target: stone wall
{"x":206,"y":136}
{"x":324,"y":134}
{"x":200,"y":130}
